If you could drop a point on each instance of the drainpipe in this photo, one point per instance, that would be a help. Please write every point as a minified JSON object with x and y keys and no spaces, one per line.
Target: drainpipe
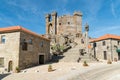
{"x":111,"y":49}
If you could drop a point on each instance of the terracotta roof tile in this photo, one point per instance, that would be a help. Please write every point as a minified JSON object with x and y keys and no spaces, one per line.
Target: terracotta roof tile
{"x":19,"y":28}
{"x":107,"y":36}
{"x":13,"y":28}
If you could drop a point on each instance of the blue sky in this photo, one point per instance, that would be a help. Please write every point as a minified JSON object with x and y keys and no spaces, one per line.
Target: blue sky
{"x":103,"y":16}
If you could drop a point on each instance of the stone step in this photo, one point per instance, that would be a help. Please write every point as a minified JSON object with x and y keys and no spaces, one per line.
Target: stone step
{"x":72,"y":55}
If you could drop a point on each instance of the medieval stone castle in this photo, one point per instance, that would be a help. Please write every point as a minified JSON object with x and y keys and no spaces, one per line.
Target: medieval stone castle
{"x":66,"y":31}
{"x":66,"y":26}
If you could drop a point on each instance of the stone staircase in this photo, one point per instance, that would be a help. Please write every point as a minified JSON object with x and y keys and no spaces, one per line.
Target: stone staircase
{"x":72,"y":55}
{"x":87,"y":58}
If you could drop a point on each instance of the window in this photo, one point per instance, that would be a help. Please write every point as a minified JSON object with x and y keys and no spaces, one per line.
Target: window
{"x":82,"y":41}
{"x":41,"y":44}
{"x":105,"y":55}
{"x":22,"y":41}
{"x":30,"y":41}
{"x":24,"y":46}
{"x":103,"y":43}
{"x":68,"y":22}
{"x":1,"y":62}
{"x":59,"y":23}
{"x":94,"y":44}
{"x":3,"y":39}
{"x":118,"y":42}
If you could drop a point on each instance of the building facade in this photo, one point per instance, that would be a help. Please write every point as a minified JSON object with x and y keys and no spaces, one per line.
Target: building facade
{"x":106,"y":47}
{"x":22,"y":48}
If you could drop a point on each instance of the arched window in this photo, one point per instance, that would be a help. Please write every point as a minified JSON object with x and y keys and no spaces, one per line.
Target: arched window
{"x":10,"y":66}
{"x":50,"y":30}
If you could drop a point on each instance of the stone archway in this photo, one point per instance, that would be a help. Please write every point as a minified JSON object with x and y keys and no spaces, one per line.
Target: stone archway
{"x":10,"y":66}
{"x":50,"y":29}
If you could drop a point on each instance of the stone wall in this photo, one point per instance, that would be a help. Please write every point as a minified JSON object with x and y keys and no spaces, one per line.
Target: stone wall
{"x":69,"y":24}
{"x":30,"y":57}
{"x":108,"y":47}
{"x":10,"y":49}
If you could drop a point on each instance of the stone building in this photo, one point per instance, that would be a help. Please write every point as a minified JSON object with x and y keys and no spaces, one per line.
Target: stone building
{"x":106,"y":47}
{"x":22,"y":48}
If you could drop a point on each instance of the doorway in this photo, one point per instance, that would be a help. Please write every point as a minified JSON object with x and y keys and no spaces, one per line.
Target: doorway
{"x":10,"y":66}
{"x":118,"y":55}
{"x":105,"y":55}
{"x":41,"y":59}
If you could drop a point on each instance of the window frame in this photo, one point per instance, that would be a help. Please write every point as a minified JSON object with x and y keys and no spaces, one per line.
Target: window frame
{"x":103,"y":43}
{"x":118,"y":42}
{"x":68,"y":23}
{"x":30,"y":41}
{"x":2,"y":62}
{"x":3,"y":39}
{"x":42,"y":44}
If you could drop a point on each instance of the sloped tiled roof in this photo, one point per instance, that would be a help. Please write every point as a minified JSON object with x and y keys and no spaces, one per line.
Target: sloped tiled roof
{"x":19,"y":28}
{"x":106,"y":36}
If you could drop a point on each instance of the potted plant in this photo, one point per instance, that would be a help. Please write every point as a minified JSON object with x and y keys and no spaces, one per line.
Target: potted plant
{"x":109,"y":62}
{"x":17,"y":69}
{"x":50,"y":68}
{"x":85,"y":63}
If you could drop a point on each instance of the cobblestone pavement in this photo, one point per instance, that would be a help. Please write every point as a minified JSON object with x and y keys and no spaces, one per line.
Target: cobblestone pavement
{"x":69,"y":71}
{"x":111,"y":72}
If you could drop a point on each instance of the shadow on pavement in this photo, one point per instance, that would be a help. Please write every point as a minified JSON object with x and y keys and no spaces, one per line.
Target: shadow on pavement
{"x":56,"y":58}
{"x":3,"y":75}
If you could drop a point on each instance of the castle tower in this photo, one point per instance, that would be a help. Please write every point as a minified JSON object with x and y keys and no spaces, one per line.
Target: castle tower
{"x":66,"y":24}
{"x":51,"y":23}
{"x":54,"y":22}
{"x":78,"y":21}
{"x":47,"y":23}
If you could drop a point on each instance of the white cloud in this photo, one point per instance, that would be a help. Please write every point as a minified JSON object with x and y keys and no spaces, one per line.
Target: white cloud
{"x":106,"y":30}
{"x":6,"y":19}
{"x":93,"y":6}
{"x":113,"y":9}
{"x":25,"y":5}
{"x":91,"y":9}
